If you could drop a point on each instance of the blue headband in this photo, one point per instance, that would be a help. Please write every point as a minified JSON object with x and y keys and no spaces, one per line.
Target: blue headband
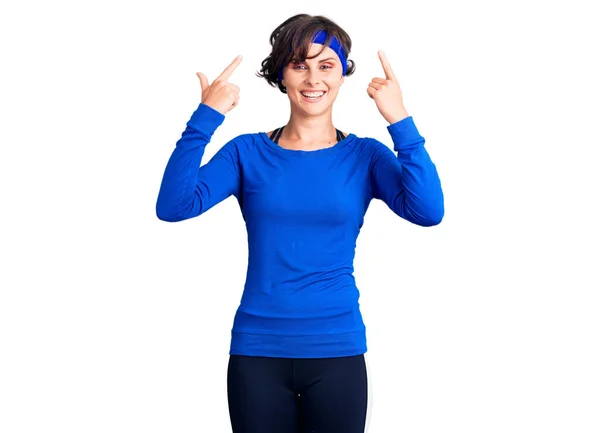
{"x":319,"y":38}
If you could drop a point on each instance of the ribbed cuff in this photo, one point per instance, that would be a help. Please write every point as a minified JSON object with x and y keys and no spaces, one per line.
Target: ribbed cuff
{"x":206,"y":119}
{"x":405,"y":134}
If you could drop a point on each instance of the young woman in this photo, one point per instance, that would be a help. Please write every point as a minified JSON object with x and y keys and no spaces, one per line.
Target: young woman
{"x":298,"y":340}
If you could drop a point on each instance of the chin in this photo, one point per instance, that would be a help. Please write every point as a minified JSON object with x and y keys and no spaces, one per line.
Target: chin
{"x":314,"y":111}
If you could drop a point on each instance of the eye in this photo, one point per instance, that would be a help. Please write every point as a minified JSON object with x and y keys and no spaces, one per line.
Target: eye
{"x":299,"y":66}
{"x":327,"y":66}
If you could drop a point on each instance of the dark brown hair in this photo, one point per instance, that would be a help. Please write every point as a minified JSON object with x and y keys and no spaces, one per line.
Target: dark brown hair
{"x":291,"y":40}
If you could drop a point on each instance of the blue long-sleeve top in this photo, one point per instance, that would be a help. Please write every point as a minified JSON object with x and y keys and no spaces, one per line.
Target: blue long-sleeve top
{"x":303,"y":212}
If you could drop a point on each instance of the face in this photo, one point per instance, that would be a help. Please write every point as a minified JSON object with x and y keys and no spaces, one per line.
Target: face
{"x":313,"y":85}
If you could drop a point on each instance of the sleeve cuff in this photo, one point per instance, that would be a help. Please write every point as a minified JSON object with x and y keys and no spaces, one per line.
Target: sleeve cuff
{"x":405,"y":134}
{"x":206,"y":119}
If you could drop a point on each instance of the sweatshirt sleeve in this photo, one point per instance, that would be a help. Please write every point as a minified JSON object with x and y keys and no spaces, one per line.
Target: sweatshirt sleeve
{"x":189,"y":189}
{"x":407,"y":182}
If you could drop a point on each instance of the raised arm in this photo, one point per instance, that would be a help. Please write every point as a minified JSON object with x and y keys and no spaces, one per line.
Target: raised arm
{"x":407,"y":182}
{"x":189,"y":189}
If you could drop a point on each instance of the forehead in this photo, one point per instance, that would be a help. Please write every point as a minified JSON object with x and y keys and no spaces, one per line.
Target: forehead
{"x":327,"y":52}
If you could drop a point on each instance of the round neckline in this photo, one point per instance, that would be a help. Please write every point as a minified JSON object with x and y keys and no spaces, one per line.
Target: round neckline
{"x":303,"y":152}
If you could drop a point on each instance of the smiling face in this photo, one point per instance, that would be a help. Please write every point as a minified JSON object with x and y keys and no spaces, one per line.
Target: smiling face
{"x":312,"y":85}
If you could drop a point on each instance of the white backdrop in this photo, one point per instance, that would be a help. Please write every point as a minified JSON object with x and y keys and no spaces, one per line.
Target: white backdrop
{"x":114,"y":321}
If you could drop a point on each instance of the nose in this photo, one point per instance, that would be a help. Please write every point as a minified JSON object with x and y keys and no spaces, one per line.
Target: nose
{"x":312,"y":77}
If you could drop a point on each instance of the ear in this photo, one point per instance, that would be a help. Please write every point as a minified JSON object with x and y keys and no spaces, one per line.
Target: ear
{"x":342,"y":82}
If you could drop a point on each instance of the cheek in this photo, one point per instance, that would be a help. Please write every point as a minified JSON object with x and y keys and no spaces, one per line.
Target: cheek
{"x":334,"y":85}
{"x":335,"y":82}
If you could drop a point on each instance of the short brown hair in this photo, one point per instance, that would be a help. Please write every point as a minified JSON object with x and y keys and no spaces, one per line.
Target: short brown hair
{"x":292,"y":40}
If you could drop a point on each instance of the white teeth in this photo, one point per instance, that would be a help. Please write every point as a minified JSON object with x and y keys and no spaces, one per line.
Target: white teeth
{"x":313,"y":94}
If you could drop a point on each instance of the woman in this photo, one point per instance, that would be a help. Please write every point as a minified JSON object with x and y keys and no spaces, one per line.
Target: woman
{"x":298,"y":339}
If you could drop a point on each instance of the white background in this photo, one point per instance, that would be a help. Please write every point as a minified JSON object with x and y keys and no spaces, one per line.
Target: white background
{"x":114,"y":321}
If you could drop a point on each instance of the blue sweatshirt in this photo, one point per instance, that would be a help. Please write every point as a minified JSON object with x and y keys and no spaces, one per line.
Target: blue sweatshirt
{"x":303,"y":212}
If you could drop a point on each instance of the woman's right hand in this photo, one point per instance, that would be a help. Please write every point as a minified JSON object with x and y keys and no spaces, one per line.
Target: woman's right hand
{"x":221,"y":95}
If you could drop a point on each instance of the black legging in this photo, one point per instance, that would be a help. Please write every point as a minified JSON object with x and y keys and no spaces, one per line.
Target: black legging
{"x":283,"y":395}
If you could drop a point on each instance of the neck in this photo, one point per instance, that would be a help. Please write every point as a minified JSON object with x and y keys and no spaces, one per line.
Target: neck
{"x":310,"y":131}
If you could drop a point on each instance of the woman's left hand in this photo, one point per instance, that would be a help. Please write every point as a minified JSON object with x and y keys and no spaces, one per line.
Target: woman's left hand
{"x":387,"y":94}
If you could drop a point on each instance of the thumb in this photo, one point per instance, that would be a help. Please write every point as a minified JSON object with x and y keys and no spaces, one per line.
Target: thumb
{"x":203,"y":81}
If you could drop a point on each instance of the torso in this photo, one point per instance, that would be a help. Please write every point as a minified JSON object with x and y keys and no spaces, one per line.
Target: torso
{"x":303,"y":211}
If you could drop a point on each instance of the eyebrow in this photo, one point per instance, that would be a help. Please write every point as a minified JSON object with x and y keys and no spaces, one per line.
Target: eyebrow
{"x":320,"y":61}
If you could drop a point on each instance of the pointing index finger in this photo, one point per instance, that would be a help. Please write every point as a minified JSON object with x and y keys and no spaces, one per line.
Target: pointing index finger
{"x":229,"y":69}
{"x":387,"y":68}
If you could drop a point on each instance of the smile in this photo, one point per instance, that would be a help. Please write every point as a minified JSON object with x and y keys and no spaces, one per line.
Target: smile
{"x":312,"y":96}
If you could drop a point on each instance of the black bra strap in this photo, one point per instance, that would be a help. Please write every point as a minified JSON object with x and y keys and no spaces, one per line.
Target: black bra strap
{"x":276,"y":134}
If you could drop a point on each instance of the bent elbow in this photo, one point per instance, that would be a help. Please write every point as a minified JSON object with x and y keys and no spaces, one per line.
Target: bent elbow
{"x":434,"y":216}
{"x":432,"y":220}
{"x":430,"y":216}
{"x":168,"y":217}
{"x":166,"y":214}
{"x":434,"y":210}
